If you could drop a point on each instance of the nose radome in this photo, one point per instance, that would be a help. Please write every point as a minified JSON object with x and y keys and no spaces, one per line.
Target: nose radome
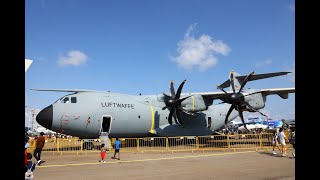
{"x":44,"y":117}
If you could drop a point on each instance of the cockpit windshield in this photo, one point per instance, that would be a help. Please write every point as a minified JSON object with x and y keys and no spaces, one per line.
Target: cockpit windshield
{"x":67,"y":99}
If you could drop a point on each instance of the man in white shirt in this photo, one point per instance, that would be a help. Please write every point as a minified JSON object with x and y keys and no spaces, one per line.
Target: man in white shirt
{"x":282,"y":141}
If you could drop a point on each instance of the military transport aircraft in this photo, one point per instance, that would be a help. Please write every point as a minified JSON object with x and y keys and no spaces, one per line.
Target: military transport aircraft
{"x":87,"y":113}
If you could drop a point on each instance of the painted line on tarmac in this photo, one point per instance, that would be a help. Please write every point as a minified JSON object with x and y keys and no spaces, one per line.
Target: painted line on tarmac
{"x":143,"y":160}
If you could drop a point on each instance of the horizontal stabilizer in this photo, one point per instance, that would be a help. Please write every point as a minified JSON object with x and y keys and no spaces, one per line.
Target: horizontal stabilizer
{"x":253,"y":77}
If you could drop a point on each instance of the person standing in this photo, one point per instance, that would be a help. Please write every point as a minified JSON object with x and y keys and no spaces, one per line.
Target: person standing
{"x":292,"y":141}
{"x":285,"y":125}
{"x":117,"y":146}
{"x":282,"y":141}
{"x":39,"y":146}
{"x":103,"y":153}
{"x":274,"y":142}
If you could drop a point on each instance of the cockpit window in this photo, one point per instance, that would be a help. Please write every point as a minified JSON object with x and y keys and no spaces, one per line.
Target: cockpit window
{"x":73,"y":99}
{"x":66,"y":100}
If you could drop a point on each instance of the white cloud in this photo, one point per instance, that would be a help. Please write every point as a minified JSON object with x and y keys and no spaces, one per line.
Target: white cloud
{"x":264,"y":63}
{"x":73,"y":58}
{"x":292,"y":7}
{"x":200,"y":53}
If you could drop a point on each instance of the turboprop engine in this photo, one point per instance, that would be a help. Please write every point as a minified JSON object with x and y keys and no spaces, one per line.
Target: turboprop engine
{"x":194,"y":103}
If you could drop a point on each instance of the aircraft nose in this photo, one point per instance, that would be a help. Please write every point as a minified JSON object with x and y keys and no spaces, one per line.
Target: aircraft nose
{"x":44,"y":117}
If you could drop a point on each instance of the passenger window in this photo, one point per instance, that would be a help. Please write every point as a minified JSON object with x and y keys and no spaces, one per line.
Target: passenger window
{"x":66,"y":100}
{"x":73,"y":99}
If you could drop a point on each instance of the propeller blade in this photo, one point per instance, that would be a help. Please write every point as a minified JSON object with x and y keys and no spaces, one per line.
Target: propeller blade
{"x":228,"y":113}
{"x":172,"y":90}
{"x":170,"y":116}
{"x":218,"y":87}
{"x":241,"y":116}
{"x":232,"y":81}
{"x":180,"y":100}
{"x":245,"y":81}
{"x":251,"y":108}
{"x":179,"y":89}
{"x":166,"y":95}
{"x":179,"y":118}
{"x":261,"y":113}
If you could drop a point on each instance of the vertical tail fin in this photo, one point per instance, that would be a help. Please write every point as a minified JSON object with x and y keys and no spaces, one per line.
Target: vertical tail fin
{"x":237,"y":82}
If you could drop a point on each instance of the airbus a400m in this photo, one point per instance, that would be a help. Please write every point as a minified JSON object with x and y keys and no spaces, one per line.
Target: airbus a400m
{"x":87,"y":113}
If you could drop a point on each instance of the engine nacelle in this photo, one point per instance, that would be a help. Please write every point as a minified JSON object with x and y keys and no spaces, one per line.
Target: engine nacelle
{"x":194,"y":103}
{"x":257,"y":101}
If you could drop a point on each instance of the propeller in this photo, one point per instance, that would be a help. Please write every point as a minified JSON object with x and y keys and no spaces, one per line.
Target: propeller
{"x":174,"y":103}
{"x":236,"y":99}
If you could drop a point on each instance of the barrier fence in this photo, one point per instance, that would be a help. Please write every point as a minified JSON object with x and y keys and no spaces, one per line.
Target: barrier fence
{"x":160,"y":144}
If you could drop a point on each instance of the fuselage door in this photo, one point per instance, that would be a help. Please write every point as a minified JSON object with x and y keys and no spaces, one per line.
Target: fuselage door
{"x":106,"y":124}
{"x":209,"y":122}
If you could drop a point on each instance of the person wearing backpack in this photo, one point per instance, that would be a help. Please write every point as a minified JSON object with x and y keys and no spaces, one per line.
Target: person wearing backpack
{"x":30,"y":167}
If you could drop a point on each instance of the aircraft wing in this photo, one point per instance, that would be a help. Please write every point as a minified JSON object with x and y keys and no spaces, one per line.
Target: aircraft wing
{"x":278,"y":91}
{"x":253,"y":77}
{"x":212,"y":95}
{"x":282,"y":92}
{"x":66,"y":90}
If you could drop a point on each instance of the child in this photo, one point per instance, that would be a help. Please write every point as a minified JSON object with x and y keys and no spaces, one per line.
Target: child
{"x":29,"y":168}
{"x":103,"y":153}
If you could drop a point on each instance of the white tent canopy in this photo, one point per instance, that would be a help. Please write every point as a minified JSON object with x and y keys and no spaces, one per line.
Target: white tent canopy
{"x":253,"y":126}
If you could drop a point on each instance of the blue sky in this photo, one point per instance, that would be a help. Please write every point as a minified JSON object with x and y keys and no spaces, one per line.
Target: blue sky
{"x":140,"y":46}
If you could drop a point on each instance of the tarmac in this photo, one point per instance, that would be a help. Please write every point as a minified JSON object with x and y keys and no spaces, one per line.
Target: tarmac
{"x":244,"y":164}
